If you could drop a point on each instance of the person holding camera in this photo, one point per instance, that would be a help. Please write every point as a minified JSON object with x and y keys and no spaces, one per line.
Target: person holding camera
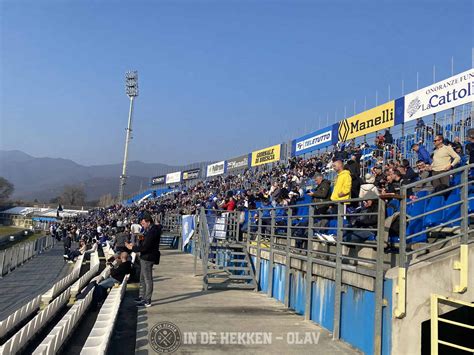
{"x":149,"y":250}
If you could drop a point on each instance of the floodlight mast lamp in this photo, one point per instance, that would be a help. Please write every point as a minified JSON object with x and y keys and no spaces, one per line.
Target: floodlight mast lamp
{"x":131,"y":86}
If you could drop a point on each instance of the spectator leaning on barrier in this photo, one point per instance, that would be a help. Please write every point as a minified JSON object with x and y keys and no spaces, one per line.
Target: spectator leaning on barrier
{"x":444,"y":159}
{"x":149,"y":251}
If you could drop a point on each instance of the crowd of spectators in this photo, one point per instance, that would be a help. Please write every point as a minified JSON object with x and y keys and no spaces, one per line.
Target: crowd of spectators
{"x":331,"y":176}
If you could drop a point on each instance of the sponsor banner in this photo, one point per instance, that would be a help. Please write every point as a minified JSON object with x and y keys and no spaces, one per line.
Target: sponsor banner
{"x":375,"y":119}
{"x":238,"y":163}
{"x":316,"y":140}
{"x":173,"y":178}
{"x":216,"y":169}
{"x":158,"y":180}
{"x":191,"y":174}
{"x":266,"y":155}
{"x":454,"y":91}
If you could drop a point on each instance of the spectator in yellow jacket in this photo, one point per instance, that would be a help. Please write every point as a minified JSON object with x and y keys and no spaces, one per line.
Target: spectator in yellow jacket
{"x":343,"y":185}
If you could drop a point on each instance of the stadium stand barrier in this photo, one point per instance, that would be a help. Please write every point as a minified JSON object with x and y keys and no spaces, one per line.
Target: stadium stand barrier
{"x":292,"y":251}
{"x":18,"y":254}
{"x":14,"y":319}
{"x":82,"y":281}
{"x":63,"y":330}
{"x":102,"y":276}
{"x":436,"y":319}
{"x":62,"y":284}
{"x":99,"y":337}
{"x":21,"y":338}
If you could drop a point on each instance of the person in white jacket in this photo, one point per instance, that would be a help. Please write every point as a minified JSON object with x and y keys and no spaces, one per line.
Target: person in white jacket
{"x":368,"y":188}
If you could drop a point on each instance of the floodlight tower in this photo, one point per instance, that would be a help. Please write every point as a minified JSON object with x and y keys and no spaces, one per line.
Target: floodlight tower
{"x":131,"y":86}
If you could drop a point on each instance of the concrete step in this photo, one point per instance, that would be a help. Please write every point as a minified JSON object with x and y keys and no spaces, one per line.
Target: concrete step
{"x":230,"y":286}
{"x":238,"y":261}
{"x":237,"y":268}
{"x":238,"y":253}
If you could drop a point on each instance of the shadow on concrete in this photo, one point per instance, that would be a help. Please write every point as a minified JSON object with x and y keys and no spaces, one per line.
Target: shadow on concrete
{"x":185,"y":296}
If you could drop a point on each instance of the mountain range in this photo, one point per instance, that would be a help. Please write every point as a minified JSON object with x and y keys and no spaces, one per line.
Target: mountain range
{"x":45,"y":178}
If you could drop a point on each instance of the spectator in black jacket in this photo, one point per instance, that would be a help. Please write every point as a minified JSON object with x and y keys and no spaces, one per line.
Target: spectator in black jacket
{"x":363,"y":221}
{"x":408,"y":174}
{"x":149,"y":251}
{"x":122,"y":267}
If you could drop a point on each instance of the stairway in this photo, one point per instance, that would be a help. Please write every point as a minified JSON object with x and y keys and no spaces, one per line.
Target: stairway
{"x":229,"y":266}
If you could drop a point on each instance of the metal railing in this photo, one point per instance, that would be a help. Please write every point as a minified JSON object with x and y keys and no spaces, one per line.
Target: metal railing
{"x":443,"y":213}
{"x":19,"y":253}
{"x":334,"y":235}
{"x":436,"y":319}
{"x":214,"y":227}
{"x":171,"y":223}
{"x":322,"y":234}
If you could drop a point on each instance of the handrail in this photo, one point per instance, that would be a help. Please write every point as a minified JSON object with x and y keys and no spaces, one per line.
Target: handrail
{"x":436,"y":318}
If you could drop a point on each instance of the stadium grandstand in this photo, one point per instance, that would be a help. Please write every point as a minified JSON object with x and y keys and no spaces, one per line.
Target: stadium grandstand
{"x":363,"y":228}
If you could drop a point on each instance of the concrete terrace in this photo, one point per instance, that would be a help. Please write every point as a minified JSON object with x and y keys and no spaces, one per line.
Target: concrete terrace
{"x":36,"y":276}
{"x":178,"y":298}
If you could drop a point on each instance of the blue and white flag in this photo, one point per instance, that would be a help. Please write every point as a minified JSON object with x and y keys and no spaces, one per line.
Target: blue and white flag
{"x":188,"y":229}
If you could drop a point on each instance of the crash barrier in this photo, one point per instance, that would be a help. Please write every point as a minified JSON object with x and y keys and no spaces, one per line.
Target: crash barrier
{"x":62,"y":331}
{"x":18,"y":254}
{"x":65,"y":282}
{"x":14,"y":319}
{"x":170,"y":223}
{"x":102,"y":276}
{"x":82,"y":281}
{"x":98,"y":339}
{"x":108,"y":251}
{"x":436,"y":319}
{"x":329,"y":260}
{"x":18,"y":341}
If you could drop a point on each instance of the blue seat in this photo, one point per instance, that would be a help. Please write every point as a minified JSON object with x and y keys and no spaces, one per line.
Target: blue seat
{"x":416,"y":225}
{"x":433,"y":219}
{"x":455,"y":211}
{"x":332,"y":224}
{"x":392,"y":207}
{"x":471,"y":203}
{"x":455,"y":180}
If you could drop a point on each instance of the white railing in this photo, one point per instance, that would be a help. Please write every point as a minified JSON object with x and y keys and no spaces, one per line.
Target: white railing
{"x":14,"y":319}
{"x":93,"y":270}
{"x":108,"y":251}
{"x":62,"y":284}
{"x":25,"y":334}
{"x":99,"y":337}
{"x":18,"y":254}
{"x":60,"y":333}
{"x":103,"y":275}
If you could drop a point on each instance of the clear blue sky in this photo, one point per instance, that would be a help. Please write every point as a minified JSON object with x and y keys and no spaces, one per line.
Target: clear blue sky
{"x":217,"y":78}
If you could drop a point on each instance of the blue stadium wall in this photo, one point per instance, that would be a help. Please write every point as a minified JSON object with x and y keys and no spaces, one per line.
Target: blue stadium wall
{"x":357,"y":305}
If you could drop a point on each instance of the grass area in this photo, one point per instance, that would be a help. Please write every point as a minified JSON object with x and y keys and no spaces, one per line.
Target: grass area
{"x":8,"y":230}
{"x":19,"y":238}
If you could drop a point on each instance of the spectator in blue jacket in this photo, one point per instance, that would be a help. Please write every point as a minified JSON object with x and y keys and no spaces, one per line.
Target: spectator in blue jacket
{"x":423,"y":154}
